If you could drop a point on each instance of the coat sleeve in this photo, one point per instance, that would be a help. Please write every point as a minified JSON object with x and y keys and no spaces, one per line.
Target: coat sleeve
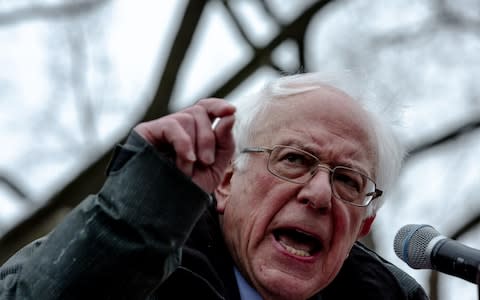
{"x":412,"y":290}
{"x":118,"y":244}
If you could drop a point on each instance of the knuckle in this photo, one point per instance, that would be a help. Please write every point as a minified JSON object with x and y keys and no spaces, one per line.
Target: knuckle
{"x":198,"y":109}
{"x":205,"y":101}
{"x":182,"y":118}
{"x":166,"y":123}
{"x":208,"y":102}
{"x":202,"y":101}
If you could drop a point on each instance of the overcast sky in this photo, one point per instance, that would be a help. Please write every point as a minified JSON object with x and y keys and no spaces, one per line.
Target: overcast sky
{"x":44,"y":145}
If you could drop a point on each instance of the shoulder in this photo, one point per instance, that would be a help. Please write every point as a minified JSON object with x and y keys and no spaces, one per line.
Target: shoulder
{"x":409,"y":285}
{"x":369,"y":276}
{"x":15,"y":263}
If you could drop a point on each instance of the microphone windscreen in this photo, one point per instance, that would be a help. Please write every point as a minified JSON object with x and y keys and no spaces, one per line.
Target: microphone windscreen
{"x":411,"y":245}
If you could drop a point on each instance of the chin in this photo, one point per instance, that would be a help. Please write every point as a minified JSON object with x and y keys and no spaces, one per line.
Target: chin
{"x":280,"y":286}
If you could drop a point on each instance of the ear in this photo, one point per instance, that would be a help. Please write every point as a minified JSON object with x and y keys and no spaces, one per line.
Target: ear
{"x":222,"y":192}
{"x":366,"y":226}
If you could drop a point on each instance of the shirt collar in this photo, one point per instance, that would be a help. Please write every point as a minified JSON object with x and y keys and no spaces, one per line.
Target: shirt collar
{"x":246,"y":291}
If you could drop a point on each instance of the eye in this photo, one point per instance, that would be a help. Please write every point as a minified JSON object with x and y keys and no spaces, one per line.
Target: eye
{"x":349,"y":179}
{"x":295,"y":158}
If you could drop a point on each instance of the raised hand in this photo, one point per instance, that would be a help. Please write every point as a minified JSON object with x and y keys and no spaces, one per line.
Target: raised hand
{"x":201,"y":151}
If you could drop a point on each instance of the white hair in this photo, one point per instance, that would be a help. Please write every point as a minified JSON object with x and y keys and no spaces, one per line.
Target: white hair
{"x":389,"y":150}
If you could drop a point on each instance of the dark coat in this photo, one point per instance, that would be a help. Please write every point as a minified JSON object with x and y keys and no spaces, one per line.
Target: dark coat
{"x":148,"y":234}
{"x":207,"y":270}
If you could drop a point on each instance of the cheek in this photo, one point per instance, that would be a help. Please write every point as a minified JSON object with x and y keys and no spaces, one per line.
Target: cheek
{"x":245,"y":208}
{"x":346,"y":227}
{"x":347,"y":222}
{"x":254,"y":202}
{"x":256,"y":191}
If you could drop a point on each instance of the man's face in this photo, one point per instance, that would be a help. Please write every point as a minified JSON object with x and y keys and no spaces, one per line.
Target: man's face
{"x":290,"y":240}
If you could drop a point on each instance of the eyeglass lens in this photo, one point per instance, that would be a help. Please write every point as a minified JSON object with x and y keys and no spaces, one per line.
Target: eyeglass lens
{"x":299,"y":166}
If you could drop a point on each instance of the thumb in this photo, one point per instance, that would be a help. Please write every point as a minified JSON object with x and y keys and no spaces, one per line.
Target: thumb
{"x":224,"y":135}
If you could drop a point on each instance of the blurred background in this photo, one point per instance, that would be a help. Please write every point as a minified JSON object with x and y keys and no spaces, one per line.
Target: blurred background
{"x":76,"y":76}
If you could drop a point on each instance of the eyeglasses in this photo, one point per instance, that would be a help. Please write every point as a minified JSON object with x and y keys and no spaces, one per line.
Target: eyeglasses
{"x":298,"y":166}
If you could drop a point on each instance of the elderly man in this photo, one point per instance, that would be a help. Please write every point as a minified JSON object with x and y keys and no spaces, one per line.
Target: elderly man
{"x":188,"y":211}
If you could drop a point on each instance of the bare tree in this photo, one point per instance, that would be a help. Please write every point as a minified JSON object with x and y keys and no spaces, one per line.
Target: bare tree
{"x":90,"y":180}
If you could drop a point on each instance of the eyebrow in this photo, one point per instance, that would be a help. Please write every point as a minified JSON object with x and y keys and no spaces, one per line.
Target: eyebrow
{"x":293,"y":142}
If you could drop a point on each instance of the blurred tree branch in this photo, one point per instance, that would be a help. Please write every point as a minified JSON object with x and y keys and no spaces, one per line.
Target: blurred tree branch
{"x":181,"y":44}
{"x":90,"y":180}
{"x":13,"y":186}
{"x":262,"y":55}
{"x":29,"y":12}
{"x":446,"y":137}
{"x":469,"y":223}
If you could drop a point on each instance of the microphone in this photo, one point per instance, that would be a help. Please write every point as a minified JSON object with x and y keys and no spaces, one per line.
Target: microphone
{"x":423,"y":247}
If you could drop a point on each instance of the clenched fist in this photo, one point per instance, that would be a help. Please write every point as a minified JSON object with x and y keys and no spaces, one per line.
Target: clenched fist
{"x":201,"y":151}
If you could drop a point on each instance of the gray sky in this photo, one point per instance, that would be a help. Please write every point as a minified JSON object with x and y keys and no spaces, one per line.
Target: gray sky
{"x":431,"y":75}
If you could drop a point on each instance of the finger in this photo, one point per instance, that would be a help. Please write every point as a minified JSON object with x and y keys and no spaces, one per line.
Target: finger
{"x":224,"y":150}
{"x":186,"y":166}
{"x":205,"y":137}
{"x":217,"y":108}
{"x":205,"y":112}
{"x":225,"y":143}
{"x":181,"y":137}
{"x":177,"y":131}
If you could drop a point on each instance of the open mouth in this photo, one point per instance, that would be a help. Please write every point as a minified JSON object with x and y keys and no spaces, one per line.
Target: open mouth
{"x":297,"y":242}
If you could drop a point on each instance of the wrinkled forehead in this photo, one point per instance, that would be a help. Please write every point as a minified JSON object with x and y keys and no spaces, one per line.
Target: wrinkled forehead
{"x":323,"y":108}
{"x":326,"y":103}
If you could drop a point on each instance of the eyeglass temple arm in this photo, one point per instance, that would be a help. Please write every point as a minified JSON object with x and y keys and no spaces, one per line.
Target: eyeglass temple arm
{"x":375,"y":194}
{"x":255,"y":149}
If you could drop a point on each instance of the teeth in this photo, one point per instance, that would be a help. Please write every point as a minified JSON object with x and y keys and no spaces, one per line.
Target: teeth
{"x":294,"y":251}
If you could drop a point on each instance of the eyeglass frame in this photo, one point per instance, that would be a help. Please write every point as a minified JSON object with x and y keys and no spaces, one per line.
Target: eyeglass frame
{"x":375,"y":194}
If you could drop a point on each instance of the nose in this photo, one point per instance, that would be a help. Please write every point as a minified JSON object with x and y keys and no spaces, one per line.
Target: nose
{"x":317,"y":192}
